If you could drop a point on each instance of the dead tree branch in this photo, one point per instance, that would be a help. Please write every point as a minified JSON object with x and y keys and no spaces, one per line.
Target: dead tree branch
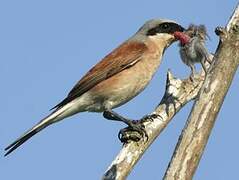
{"x":178,"y":93}
{"x":197,"y":130}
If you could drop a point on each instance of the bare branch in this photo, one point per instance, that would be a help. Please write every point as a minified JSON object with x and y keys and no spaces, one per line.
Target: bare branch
{"x":178,"y":93}
{"x":195,"y":135}
{"x":234,"y":20}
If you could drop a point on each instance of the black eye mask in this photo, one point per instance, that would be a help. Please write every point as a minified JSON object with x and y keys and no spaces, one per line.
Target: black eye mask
{"x":167,"y":27}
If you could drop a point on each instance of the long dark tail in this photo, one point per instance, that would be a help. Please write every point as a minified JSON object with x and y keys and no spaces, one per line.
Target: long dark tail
{"x":53,"y":117}
{"x":37,"y":128}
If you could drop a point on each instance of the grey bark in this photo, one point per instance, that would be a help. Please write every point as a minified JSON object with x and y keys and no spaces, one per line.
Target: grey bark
{"x":194,"y":136}
{"x":178,"y":93}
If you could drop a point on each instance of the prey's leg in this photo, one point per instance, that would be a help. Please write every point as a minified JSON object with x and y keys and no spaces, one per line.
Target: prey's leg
{"x":193,"y":71}
{"x":208,"y":60}
{"x":203,"y":62}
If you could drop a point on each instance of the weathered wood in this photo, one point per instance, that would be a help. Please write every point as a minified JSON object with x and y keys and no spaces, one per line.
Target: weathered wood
{"x":178,"y":93}
{"x":194,"y":136}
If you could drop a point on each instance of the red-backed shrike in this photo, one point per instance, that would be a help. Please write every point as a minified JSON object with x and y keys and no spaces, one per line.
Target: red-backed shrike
{"x":116,"y":79}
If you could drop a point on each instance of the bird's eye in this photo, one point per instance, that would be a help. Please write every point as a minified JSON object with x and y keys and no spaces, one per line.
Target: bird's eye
{"x":161,"y":28}
{"x":165,"y":26}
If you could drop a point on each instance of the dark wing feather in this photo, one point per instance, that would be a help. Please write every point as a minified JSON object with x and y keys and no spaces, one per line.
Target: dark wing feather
{"x":125,"y":56}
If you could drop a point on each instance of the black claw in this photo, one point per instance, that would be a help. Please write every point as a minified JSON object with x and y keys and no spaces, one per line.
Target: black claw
{"x":125,"y":136}
{"x":134,"y":132}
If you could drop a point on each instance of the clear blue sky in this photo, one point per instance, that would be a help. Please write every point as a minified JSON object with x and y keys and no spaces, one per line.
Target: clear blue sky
{"x":46,"y":46}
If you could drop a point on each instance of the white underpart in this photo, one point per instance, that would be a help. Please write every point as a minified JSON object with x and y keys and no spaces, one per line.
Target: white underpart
{"x":162,"y":38}
{"x":71,"y":108}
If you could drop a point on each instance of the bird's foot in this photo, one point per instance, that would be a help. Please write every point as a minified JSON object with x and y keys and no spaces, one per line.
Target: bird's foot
{"x":135,"y":126}
{"x":138,"y":131}
{"x":134,"y":132}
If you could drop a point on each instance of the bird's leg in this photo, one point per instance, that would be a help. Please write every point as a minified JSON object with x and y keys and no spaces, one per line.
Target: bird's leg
{"x":208,"y":60}
{"x":204,"y":67}
{"x":133,"y":125}
{"x":193,"y":71}
{"x":111,"y":115}
{"x":203,"y":61}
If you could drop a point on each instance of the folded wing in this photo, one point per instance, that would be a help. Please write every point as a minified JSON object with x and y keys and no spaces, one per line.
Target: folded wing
{"x":123,"y":57}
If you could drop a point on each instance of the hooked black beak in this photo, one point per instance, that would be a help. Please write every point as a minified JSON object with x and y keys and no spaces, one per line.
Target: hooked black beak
{"x":181,"y":29}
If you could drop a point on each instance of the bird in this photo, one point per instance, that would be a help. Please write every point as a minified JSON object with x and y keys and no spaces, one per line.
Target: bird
{"x":115,"y":80}
{"x":192,"y":47}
